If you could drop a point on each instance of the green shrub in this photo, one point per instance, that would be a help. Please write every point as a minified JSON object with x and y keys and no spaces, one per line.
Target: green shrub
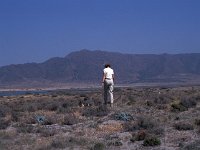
{"x":183,"y":126}
{"x":151,"y":141}
{"x":188,"y":102}
{"x":115,"y":143}
{"x":4,"y":124}
{"x":99,"y":146}
{"x":131,"y":100}
{"x":146,"y":123}
{"x":177,"y":106}
{"x":197,"y":122}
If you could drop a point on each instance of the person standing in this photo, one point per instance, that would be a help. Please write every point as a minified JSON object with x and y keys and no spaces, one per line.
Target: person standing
{"x":108,"y":84}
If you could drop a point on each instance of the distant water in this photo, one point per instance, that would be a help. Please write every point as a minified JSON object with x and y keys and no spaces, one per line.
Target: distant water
{"x":16,"y":93}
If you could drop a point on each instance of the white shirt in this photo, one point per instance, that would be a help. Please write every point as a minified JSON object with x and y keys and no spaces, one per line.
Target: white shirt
{"x":108,"y":73}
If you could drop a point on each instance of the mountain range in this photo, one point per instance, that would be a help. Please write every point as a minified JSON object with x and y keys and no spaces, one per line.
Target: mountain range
{"x":86,"y":67}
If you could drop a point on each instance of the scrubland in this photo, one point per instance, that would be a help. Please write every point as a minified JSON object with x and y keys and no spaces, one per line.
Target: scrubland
{"x":142,"y":118}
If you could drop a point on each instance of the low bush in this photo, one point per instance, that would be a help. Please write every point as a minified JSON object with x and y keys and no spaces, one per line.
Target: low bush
{"x":4,"y":110}
{"x":46,"y":132}
{"x":70,"y":119}
{"x":141,"y":123}
{"x":131,"y":100}
{"x":115,"y":143}
{"x":99,"y":111}
{"x":131,"y":126}
{"x":53,"y":106}
{"x":140,"y":135}
{"x":157,"y":131}
{"x":197,"y":122}
{"x":177,"y":106}
{"x":25,"y":128}
{"x":162,"y":99}
{"x":183,"y":126}
{"x":99,"y":146}
{"x":188,"y":102}
{"x":146,"y":123}
{"x":61,"y":142}
{"x":151,"y":141}
{"x":192,"y":146}
{"x":4,"y":124}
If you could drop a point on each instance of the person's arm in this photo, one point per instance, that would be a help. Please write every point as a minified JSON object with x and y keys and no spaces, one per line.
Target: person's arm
{"x":113,"y":76}
{"x":104,"y":76}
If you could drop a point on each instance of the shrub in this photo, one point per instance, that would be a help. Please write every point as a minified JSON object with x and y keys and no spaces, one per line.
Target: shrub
{"x":183,"y":126}
{"x":99,"y":111}
{"x":52,"y":106}
{"x":49,"y":121}
{"x":131,"y":126}
{"x":15,"y":116}
{"x":25,"y":128}
{"x":132,"y":139}
{"x":70,"y":120}
{"x":157,"y":131}
{"x":62,"y":142}
{"x":146,"y":123}
{"x":3,"y":145}
{"x":65,"y":105}
{"x":99,"y":146}
{"x":45,"y":132}
{"x":151,"y":141}
{"x":54,"y":95}
{"x":4,"y":110}
{"x":192,"y":146}
{"x":131,"y":100}
{"x":162,"y":99}
{"x":4,"y":124}
{"x":140,"y":135}
{"x":149,"y":103}
{"x":188,"y":102}
{"x":115,"y":143}
{"x":197,"y":122}
{"x":177,"y":106}
{"x":59,"y":143}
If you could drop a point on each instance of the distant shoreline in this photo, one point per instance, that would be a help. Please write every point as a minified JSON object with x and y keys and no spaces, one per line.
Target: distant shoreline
{"x":91,"y":86}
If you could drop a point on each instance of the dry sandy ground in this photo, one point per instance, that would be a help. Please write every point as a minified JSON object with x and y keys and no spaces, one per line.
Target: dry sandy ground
{"x":142,"y":118}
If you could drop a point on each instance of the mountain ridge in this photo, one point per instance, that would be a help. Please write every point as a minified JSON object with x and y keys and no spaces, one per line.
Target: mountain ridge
{"x":86,"y":66}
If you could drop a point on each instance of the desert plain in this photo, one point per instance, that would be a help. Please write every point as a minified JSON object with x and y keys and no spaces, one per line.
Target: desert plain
{"x":142,"y":118}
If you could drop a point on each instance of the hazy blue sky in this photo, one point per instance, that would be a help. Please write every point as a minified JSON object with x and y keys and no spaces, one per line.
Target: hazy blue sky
{"x":35,"y":30}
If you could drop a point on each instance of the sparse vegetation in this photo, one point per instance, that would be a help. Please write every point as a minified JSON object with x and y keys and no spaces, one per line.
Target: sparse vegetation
{"x":63,"y":120}
{"x":192,"y":146}
{"x":177,"y":106}
{"x":99,"y":146}
{"x":188,"y":102}
{"x":183,"y":126}
{"x":145,"y":122}
{"x":197,"y":122}
{"x":151,"y":141}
